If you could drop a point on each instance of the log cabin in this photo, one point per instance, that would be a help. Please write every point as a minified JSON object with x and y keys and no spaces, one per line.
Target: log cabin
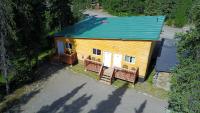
{"x":114,"y":47}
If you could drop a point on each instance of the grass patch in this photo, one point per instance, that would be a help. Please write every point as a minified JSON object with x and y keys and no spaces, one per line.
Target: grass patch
{"x":10,"y":100}
{"x":2,"y":80}
{"x":145,"y":87}
{"x":150,"y":89}
{"x":150,"y":78}
{"x":79,"y":68}
{"x":45,"y":54}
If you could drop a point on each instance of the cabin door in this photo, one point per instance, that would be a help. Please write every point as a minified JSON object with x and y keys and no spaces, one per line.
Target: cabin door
{"x":60,"y":46}
{"x":107,"y":58}
{"x":117,"y":58}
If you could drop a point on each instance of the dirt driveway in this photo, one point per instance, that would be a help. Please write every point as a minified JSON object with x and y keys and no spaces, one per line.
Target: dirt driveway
{"x":68,"y":92}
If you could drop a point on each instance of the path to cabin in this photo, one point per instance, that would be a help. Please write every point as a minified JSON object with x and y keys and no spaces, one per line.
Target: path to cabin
{"x":69,"y":92}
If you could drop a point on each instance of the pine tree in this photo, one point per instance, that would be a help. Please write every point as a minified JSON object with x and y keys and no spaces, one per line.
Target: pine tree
{"x":152,"y":7}
{"x":195,"y":14}
{"x":169,"y":7}
{"x":6,"y":32}
{"x":60,"y":11}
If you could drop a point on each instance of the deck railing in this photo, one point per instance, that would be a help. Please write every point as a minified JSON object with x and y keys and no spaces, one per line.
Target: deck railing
{"x":101,"y":72}
{"x":125,"y":74}
{"x":92,"y":65}
{"x":119,"y":73}
{"x":69,"y":58}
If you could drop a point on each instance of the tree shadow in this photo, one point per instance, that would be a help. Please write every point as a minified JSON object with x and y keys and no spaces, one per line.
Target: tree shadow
{"x":22,"y":101}
{"x":46,"y":70}
{"x":43,"y":72}
{"x":56,"y":105}
{"x":110,"y":105}
{"x":141,"y":108}
{"x":76,"y":105}
{"x":81,"y":27}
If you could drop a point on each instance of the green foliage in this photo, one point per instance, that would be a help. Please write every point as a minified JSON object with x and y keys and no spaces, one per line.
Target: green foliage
{"x":189,"y":45}
{"x":150,"y":78}
{"x":7,"y":23}
{"x":32,"y":21}
{"x":184,"y":96}
{"x":176,"y":11}
{"x":60,"y":12}
{"x":170,"y":22}
{"x":152,"y":7}
{"x":6,"y":34}
{"x":168,"y":8}
{"x":182,"y":12}
{"x":185,"y":83}
{"x":78,"y":7}
{"x":195,"y":14}
{"x":123,"y":7}
{"x":2,"y":80}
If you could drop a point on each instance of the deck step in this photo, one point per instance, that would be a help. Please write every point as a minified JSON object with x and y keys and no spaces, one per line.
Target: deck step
{"x":106,"y":76}
{"x":108,"y":71}
{"x":106,"y":79}
{"x":105,"y":82}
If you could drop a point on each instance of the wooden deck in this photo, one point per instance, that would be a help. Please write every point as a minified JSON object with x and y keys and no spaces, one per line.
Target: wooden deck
{"x":125,"y":74}
{"x":69,"y":58}
{"x":107,"y":74}
{"x":91,"y":65}
{"x":65,"y":58}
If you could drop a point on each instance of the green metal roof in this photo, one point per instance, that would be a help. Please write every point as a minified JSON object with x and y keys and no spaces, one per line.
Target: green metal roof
{"x":123,"y":28}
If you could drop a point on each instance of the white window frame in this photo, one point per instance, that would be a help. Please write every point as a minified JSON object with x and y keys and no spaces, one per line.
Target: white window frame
{"x":131,"y":62}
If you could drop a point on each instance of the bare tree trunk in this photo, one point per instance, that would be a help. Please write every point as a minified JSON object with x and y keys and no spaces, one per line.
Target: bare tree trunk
{"x":4,"y":66}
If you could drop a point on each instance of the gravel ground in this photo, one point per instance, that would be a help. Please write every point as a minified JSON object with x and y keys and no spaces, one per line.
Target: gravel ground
{"x":98,"y":13}
{"x":68,"y":92}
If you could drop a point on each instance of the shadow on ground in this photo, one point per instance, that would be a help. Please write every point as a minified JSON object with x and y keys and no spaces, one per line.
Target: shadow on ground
{"x":141,"y":108}
{"x":22,"y":100}
{"x":156,"y":53}
{"x":43,"y":72}
{"x":110,"y":105}
{"x":47,"y":69}
{"x":76,"y":105}
{"x":59,"y":105}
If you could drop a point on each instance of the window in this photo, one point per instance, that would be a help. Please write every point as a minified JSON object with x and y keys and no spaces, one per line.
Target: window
{"x":69,"y":45}
{"x":129,"y":59}
{"x":96,"y":51}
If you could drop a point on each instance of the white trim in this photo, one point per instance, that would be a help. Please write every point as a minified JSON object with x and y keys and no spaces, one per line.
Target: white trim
{"x":121,"y":57}
{"x":104,"y":62}
{"x":130,"y":62}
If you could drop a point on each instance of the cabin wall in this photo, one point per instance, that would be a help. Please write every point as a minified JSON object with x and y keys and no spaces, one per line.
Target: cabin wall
{"x":141,"y":50}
